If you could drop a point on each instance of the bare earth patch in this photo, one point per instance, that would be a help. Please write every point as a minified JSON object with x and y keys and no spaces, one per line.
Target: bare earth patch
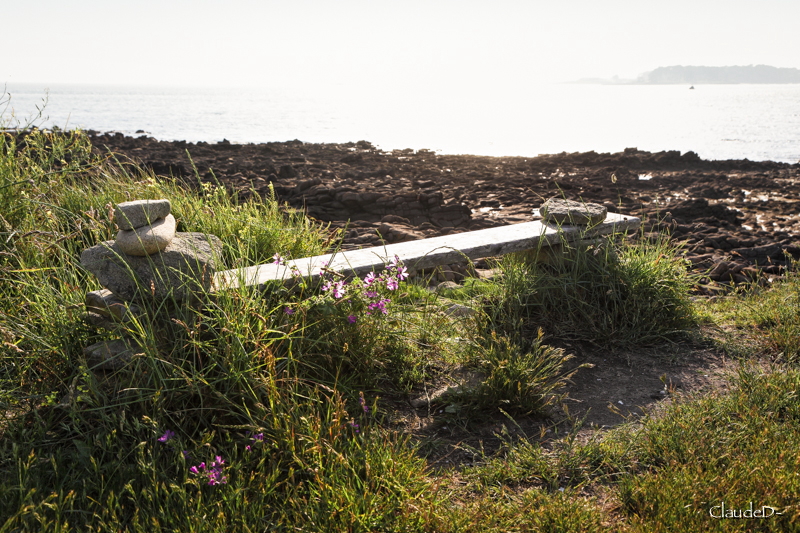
{"x":612,"y":388}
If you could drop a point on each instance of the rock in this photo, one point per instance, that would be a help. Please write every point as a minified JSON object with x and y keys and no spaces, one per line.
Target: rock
{"x":110,"y":355}
{"x":719,"y":270}
{"x":447,"y":285}
{"x":459,"y":310}
{"x":488,"y":273}
{"x":563,"y":211}
{"x":147,"y":240}
{"x":138,"y":213}
{"x":105,"y":303}
{"x":102,"y":322}
{"x":740,"y":200}
{"x":186,"y":266}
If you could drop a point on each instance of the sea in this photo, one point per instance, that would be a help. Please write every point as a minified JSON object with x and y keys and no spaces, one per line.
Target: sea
{"x":756,"y":122}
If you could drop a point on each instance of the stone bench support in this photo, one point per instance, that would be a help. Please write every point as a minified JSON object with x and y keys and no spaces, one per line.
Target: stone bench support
{"x":427,"y":253}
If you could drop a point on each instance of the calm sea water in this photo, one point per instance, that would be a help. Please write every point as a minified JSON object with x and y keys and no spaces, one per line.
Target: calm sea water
{"x":758,"y":122}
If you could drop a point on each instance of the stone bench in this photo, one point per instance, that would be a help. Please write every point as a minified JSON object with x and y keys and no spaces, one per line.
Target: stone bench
{"x":113,"y":310}
{"x":426,"y":253}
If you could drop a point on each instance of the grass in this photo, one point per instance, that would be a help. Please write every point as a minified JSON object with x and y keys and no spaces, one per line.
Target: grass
{"x":598,"y":292}
{"x":291,"y":393}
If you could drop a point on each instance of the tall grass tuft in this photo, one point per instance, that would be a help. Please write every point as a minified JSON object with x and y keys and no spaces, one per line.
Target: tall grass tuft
{"x":603,"y":292}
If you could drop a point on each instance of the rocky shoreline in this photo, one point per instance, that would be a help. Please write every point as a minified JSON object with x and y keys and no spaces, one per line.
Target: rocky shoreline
{"x":738,"y":218}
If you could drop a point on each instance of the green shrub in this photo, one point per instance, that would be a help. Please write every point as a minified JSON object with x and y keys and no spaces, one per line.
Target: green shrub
{"x":604,"y":292}
{"x":520,"y":381}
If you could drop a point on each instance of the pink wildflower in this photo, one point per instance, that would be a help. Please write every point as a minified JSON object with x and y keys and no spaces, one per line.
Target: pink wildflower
{"x":402,"y":273}
{"x":379,"y":306}
{"x":339,"y":289}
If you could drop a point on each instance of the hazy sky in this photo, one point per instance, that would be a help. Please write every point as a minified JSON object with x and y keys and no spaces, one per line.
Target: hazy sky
{"x":400,"y":43}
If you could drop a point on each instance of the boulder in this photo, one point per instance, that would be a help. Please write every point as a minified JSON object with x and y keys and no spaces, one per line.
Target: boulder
{"x":138,"y":213}
{"x":563,"y":211}
{"x":106,"y":304}
{"x":103,"y":322}
{"x":185,"y":267}
{"x":147,"y":240}
{"x":111,"y":355}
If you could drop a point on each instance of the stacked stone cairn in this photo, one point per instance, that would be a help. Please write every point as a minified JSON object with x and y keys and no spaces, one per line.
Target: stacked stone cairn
{"x":149,"y":262}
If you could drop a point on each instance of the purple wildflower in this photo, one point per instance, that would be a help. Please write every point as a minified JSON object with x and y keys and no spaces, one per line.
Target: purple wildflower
{"x":186,"y":454}
{"x":392,"y":284}
{"x":379,"y":306}
{"x":213,"y":473}
{"x":352,"y":319}
{"x":369,"y":279}
{"x":402,"y":273}
{"x":289,"y":311}
{"x":363,"y":402}
{"x":371,"y":294}
{"x":168,"y":434}
{"x":355,"y":426}
{"x":277,"y":259}
{"x":339,"y":289}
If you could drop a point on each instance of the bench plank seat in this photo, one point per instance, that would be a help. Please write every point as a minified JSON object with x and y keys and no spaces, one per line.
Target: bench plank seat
{"x":427,"y":253}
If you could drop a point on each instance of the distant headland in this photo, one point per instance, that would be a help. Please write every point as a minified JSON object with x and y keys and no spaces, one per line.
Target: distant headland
{"x":692,"y":75}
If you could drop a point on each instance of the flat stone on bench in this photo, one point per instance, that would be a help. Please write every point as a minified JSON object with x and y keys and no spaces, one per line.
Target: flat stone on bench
{"x":563,"y":211}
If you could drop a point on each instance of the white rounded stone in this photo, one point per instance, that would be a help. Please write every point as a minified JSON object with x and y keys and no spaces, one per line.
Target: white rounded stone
{"x":147,"y":240}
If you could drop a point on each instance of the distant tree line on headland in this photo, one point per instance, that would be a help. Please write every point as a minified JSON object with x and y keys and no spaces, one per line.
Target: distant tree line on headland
{"x":740,"y":74}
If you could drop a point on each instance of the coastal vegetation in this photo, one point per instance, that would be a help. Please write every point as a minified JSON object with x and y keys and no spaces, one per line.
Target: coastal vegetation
{"x":713,"y":75}
{"x":288,"y":410}
{"x":690,"y":74}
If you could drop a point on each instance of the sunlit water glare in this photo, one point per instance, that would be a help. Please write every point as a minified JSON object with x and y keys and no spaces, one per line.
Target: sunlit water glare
{"x":758,"y":122}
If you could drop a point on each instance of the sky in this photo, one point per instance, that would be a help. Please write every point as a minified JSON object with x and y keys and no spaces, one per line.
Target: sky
{"x":410,"y":43}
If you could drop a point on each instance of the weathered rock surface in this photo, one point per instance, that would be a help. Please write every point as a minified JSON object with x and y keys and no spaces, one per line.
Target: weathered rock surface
{"x":105,"y":303}
{"x":563,"y":211}
{"x":147,"y":240}
{"x":103,"y":322}
{"x":186,"y":266}
{"x":715,"y":207}
{"x":138,"y":213}
{"x":110,"y":355}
